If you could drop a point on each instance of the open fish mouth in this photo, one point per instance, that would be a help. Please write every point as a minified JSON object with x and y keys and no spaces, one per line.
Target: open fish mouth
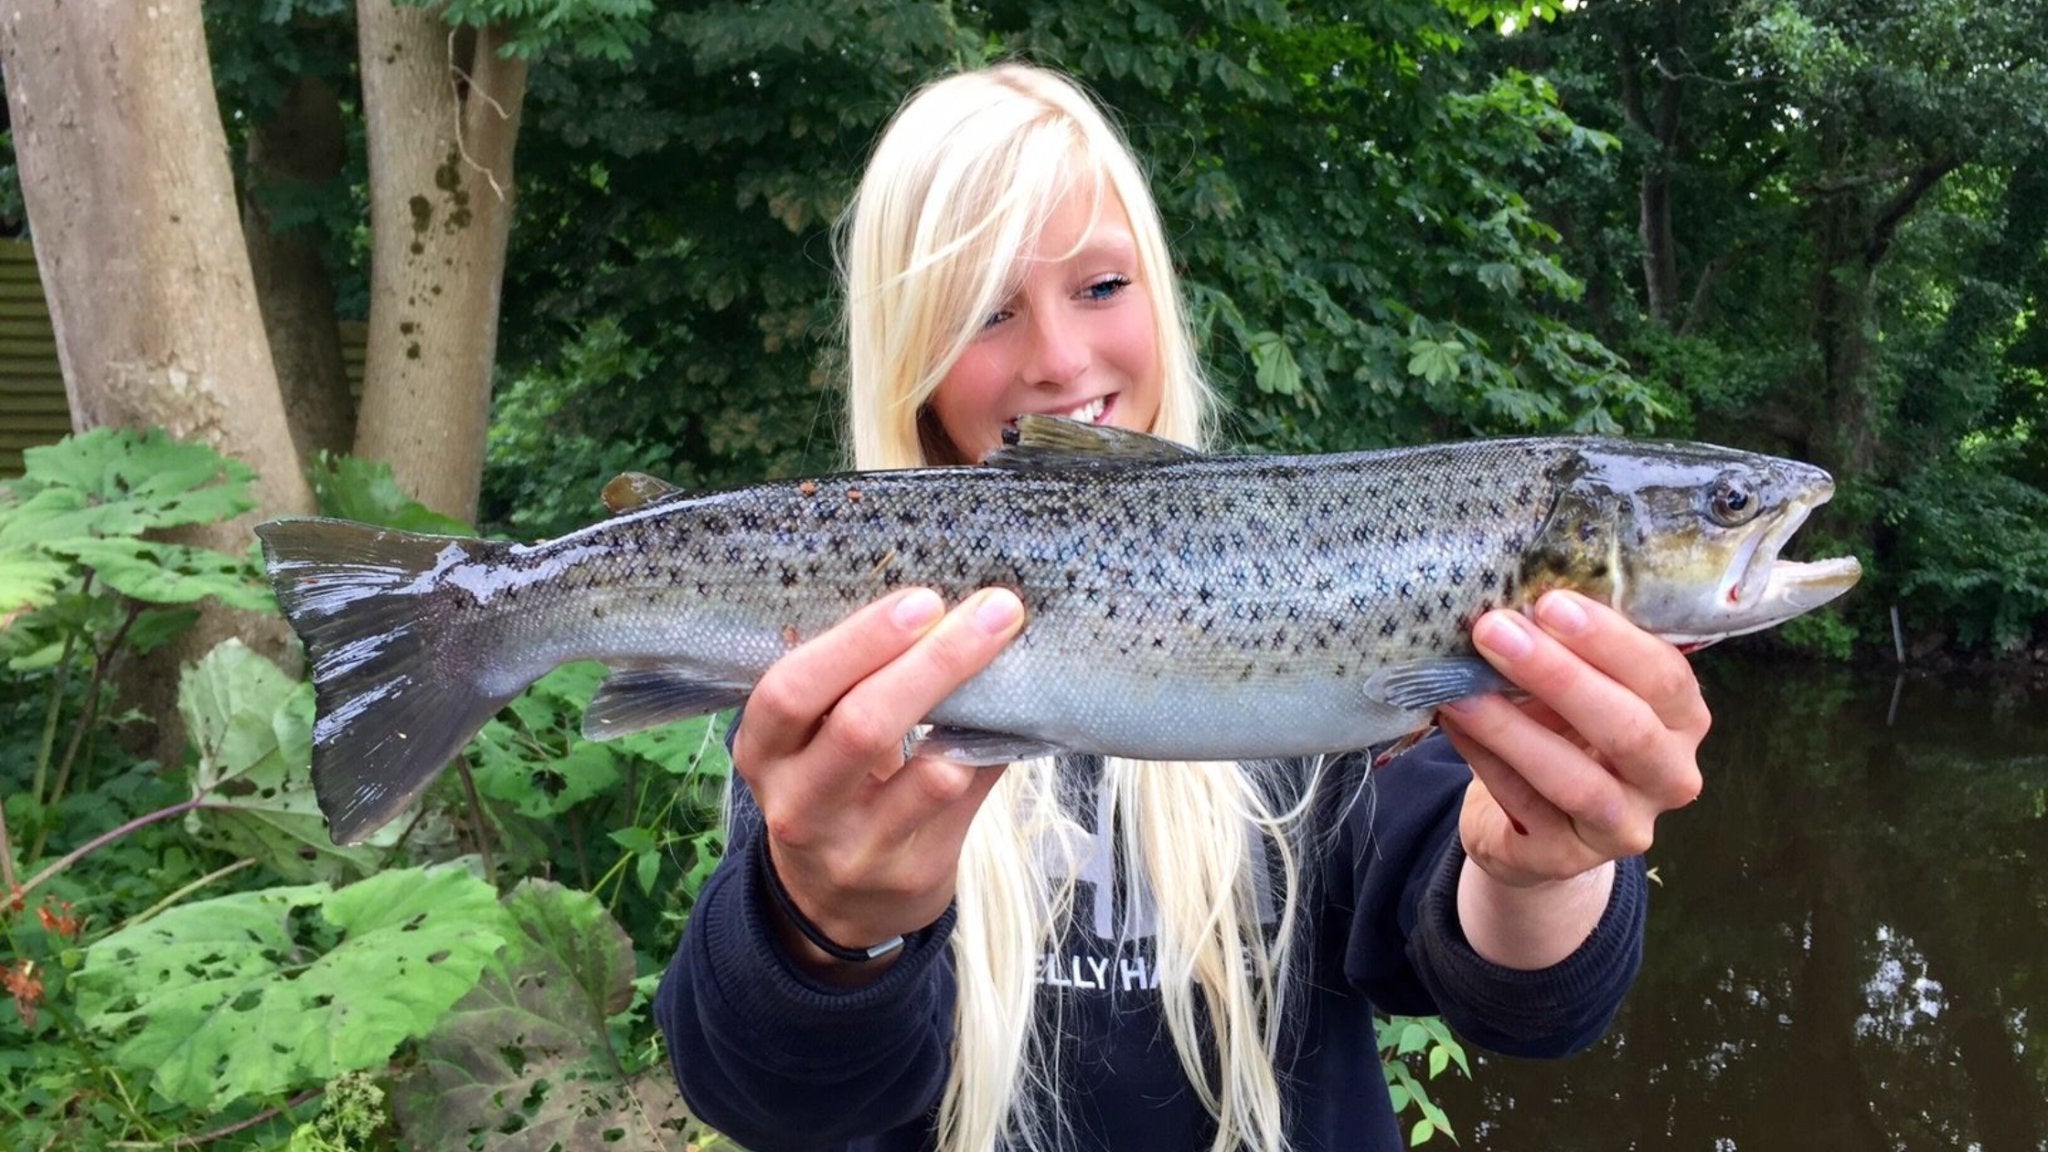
{"x":1762,"y":590}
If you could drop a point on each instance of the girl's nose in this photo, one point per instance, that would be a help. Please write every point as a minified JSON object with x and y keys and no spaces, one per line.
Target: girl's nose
{"x":1058,"y":353}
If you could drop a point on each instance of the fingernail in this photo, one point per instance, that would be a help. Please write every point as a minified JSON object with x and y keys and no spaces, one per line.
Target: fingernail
{"x":917,"y":609}
{"x":1561,"y":612}
{"x":1504,"y":634}
{"x":997,"y":611}
{"x":1463,"y":705}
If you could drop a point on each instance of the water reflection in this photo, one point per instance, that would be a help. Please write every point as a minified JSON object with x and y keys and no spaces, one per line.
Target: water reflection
{"x":1849,"y":949}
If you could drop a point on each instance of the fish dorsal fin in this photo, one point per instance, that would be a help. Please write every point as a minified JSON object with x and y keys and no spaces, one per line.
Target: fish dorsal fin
{"x":1055,"y":442}
{"x":632,"y":490}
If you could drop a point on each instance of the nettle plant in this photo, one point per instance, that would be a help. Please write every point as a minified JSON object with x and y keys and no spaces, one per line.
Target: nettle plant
{"x":432,"y":987}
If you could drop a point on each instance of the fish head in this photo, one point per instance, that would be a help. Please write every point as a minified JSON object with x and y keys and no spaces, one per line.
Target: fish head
{"x":1684,"y":539}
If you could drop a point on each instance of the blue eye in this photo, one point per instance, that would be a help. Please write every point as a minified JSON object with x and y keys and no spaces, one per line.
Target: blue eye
{"x":1107,"y":288}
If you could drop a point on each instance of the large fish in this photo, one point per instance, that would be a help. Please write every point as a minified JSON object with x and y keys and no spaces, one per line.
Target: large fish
{"x":1180,"y":606}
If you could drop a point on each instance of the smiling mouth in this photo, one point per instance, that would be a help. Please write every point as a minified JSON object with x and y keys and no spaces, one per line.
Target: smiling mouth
{"x":1087,"y":412}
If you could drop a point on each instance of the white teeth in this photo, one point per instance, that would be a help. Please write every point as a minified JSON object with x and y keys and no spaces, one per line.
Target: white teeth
{"x":1090,"y":412}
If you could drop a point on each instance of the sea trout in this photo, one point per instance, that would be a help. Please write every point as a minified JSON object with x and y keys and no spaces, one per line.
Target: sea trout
{"x":1180,"y":606}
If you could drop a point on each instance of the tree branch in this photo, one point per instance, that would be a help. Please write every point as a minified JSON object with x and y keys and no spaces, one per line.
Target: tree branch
{"x":105,"y":838}
{"x":1697,"y":306}
{"x":1893,"y":214}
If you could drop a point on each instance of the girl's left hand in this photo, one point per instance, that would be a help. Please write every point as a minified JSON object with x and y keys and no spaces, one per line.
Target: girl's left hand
{"x":1576,"y":775}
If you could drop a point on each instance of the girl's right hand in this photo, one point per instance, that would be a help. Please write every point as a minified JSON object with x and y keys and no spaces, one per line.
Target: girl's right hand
{"x":866,"y":843}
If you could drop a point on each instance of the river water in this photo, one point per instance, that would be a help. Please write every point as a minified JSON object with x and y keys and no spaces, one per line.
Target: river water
{"x":1849,"y":945}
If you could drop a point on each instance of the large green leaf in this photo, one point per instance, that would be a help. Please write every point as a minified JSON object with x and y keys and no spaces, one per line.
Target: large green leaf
{"x":352,"y":488}
{"x":28,"y":579}
{"x":85,"y":502}
{"x":525,"y":1063}
{"x":252,"y":729}
{"x":237,"y":997}
{"x":169,"y":573}
{"x":115,"y":482}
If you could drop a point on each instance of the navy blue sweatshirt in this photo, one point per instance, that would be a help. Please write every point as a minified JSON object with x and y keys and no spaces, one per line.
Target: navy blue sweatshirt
{"x":777,"y":1061}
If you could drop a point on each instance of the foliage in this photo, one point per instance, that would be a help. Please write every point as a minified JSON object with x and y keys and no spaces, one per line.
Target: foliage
{"x":526,"y":1060}
{"x":1402,"y":1038}
{"x":248,"y":995}
{"x":85,"y":504}
{"x":1851,"y":195}
{"x":1975,"y":545}
{"x":252,"y":731}
{"x":351,"y":488}
{"x":147,"y":1008}
{"x":1339,"y":183}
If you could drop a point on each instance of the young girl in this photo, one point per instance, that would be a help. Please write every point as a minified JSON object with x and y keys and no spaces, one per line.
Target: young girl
{"x":902,"y":954}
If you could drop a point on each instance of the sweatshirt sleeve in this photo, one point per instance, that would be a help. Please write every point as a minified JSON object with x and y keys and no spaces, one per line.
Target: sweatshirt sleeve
{"x":776,"y":1060}
{"x":1407,"y":951}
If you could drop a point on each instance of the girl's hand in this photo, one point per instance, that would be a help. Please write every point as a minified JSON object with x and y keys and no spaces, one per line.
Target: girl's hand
{"x":866,"y":843}
{"x":1572,"y":778}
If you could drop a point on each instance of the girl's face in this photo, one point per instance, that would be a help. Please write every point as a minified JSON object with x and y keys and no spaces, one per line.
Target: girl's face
{"x":1076,"y":338}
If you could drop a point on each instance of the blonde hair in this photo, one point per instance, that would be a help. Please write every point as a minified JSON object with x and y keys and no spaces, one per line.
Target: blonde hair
{"x":958,"y":186}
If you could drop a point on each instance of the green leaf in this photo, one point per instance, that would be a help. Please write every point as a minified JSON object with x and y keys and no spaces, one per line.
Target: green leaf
{"x":1277,"y":372}
{"x":690,"y":748}
{"x":252,"y":730}
{"x":525,"y":1060}
{"x":1439,"y":1059}
{"x":169,"y":573}
{"x":1421,"y":1133}
{"x":541,"y":786}
{"x":234,"y":997}
{"x":85,"y":501}
{"x":364,"y":490}
{"x":1413,"y":1039}
{"x":116,"y":481}
{"x":1434,"y":361}
{"x":28,"y":580}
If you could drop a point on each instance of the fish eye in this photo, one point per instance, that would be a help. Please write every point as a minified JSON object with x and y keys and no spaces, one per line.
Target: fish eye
{"x":1731,"y":502}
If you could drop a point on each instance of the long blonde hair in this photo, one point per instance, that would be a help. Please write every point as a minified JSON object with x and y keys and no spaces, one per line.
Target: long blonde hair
{"x":958,"y":186}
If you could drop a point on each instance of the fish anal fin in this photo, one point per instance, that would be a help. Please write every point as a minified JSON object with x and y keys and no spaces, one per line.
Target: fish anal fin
{"x":1420,"y":684}
{"x":635,"y":699}
{"x":1057,"y":443}
{"x":976,"y":747}
{"x":629,"y":491}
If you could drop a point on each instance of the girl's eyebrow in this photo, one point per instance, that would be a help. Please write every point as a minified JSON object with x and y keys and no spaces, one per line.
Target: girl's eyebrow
{"x":1106,"y":241}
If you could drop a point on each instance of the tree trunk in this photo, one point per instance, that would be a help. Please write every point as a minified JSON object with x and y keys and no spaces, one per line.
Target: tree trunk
{"x":1653,"y":188}
{"x":1842,"y":312}
{"x":303,"y":146}
{"x":124,"y":174}
{"x":442,"y":109}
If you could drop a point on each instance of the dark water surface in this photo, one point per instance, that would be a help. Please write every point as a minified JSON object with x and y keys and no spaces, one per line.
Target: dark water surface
{"x":1849,"y":949}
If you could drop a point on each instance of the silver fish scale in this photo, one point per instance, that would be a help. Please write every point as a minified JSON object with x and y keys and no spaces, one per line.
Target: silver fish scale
{"x":1254,"y":595}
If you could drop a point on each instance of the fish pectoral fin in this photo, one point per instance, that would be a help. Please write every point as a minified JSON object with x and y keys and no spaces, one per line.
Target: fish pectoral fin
{"x":1057,"y":443}
{"x":1420,"y":684}
{"x":641,"y":698}
{"x":977,"y":747}
{"x":629,"y":491}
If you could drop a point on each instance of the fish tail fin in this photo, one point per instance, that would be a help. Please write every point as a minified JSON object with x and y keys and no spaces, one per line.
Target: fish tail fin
{"x":395,"y":680}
